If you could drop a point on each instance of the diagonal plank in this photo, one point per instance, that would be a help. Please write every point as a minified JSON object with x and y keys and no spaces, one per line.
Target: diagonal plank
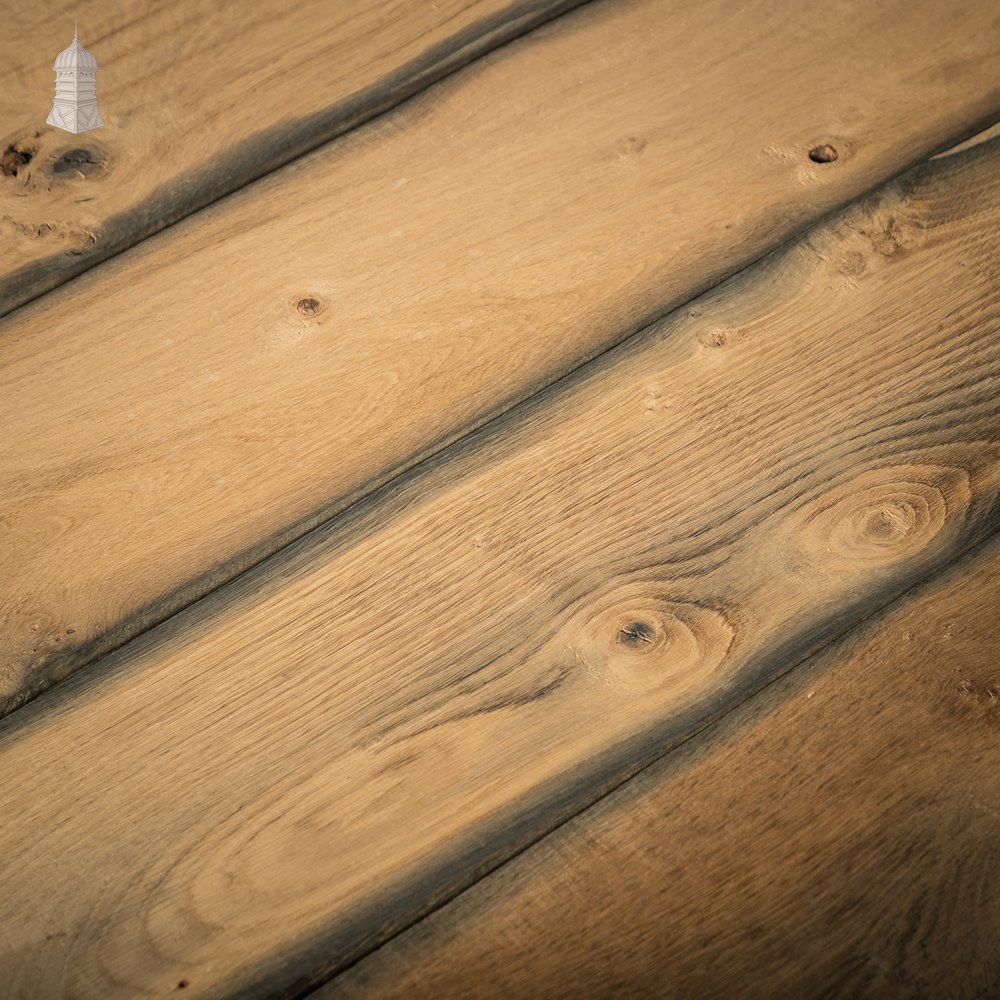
{"x":199,"y":98}
{"x":198,"y":403}
{"x":837,"y":837}
{"x":314,"y":756}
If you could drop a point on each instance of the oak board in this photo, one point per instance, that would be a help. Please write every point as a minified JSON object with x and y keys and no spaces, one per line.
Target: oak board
{"x":837,"y":836}
{"x":178,"y":414}
{"x":316,"y":755}
{"x":199,"y":97}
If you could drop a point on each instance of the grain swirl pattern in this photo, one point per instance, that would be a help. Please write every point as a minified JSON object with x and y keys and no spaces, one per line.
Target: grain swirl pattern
{"x":835,"y":836}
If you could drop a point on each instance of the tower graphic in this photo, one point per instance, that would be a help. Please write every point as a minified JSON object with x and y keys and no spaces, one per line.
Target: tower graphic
{"x":75,"y":105}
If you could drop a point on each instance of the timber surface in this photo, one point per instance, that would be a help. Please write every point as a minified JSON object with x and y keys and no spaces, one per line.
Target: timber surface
{"x":316,"y":755}
{"x":182,"y":412}
{"x":199,"y":97}
{"x":838,"y":836}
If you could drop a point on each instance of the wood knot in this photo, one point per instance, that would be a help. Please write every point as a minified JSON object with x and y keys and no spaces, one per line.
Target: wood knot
{"x":78,"y":162}
{"x":714,"y":340}
{"x":632,"y":144}
{"x":886,"y":245}
{"x":823,"y":152}
{"x":885,"y":524}
{"x":652,"y":645}
{"x":636,"y":634}
{"x":309,"y":306}
{"x":16,"y":157}
{"x":852,"y":264}
{"x":889,"y":520}
{"x":885,"y":516}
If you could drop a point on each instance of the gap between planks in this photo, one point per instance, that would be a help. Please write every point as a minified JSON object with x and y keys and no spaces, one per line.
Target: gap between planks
{"x":355,"y":750}
{"x":772,"y":851}
{"x":180,"y":134}
{"x":161,"y":442}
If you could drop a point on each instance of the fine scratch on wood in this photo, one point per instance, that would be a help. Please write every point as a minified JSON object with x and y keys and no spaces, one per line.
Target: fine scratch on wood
{"x":314,"y":757}
{"x":177,"y":415}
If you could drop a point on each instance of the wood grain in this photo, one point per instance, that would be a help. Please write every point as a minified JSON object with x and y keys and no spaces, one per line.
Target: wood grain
{"x":836,"y":837}
{"x":200,"y":97}
{"x":320,"y":752}
{"x":185,"y":411}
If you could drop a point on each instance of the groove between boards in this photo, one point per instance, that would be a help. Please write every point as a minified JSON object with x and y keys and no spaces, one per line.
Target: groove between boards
{"x":565,"y":811}
{"x":436,"y":452}
{"x":302,"y":991}
{"x":281,"y":145}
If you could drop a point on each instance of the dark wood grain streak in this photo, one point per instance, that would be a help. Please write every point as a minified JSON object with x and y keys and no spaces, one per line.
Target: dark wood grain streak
{"x":406,"y":698}
{"x":836,"y":836}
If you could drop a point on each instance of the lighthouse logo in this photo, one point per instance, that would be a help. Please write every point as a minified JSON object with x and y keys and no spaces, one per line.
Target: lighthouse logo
{"x":75,"y":106}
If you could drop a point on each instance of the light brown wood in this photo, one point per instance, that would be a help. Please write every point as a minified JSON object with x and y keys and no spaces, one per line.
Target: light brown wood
{"x":319,"y":753}
{"x":836,"y":837}
{"x":200,"y":97}
{"x":183,"y":412}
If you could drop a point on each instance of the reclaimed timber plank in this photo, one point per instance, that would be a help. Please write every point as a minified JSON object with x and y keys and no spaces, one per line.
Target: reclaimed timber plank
{"x":179,"y":414}
{"x":836,"y":836}
{"x":251,"y":796}
{"x":200,"y":97}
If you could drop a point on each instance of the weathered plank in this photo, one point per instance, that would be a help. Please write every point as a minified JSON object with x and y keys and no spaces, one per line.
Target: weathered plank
{"x":318,"y":753}
{"x":836,"y":837}
{"x":215,"y":393}
{"x":200,"y":97}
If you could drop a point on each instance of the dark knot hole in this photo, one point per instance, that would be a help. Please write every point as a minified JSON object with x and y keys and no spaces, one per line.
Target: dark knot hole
{"x":635,"y":634}
{"x":823,"y":153}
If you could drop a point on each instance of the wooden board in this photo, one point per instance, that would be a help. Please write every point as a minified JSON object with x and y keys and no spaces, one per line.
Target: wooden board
{"x":183,"y":412}
{"x":200,"y":97}
{"x":836,"y":837}
{"x":316,"y":755}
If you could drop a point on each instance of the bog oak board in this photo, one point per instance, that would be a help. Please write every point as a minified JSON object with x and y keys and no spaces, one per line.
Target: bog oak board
{"x":201,"y":401}
{"x":280,"y":777}
{"x":839,"y":836}
{"x":199,"y":97}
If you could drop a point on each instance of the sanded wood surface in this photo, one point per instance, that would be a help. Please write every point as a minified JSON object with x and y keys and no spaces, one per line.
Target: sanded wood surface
{"x":839,"y":836}
{"x":318,"y":753}
{"x":188,"y":408}
{"x":198,"y":98}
